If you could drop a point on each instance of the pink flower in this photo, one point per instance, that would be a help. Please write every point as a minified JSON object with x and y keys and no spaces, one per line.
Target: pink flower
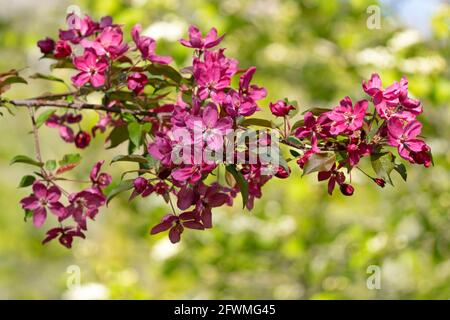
{"x":191,"y":173}
{"x":357,"y":151}
{"x":314,"y":128}
{"x":82,"y":139}
{"x":136,"y":82}
{"x":214,"y":73}
{"x":405,"y":139}
{"x":236,"y":105}
{"x":161,"y":149}
{"x":79,"y":28}
{"x":46,"y":45}
{"x":92,"y":70}
{"x":280,"y":108}
{"x":213,"y":128}
{"x":176,"y":225}
{"x":393,"y":100}
{"x":99,"y":179}
{"x":141,"y":187}
{"x":346,"y":117}
{"x":65,"y":132}
{"x":196,"y":40}
{"x":252,"y":92}
{"x":62,"y":49}
{"x":147,"y":46}
{"x":83,"y":205}
{"x":65,"y":234}
{"x":41,"y":199}
{"x":109,"y":42}
{"x":333,"y":176}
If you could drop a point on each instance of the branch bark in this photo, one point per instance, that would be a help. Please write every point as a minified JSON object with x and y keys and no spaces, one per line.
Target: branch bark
{"x":36,"y":103}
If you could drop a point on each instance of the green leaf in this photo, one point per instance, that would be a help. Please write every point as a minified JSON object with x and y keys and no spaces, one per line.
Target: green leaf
{"x":28,"y":214}
{"x":241,"y":182}
{"x":130,"y":158}
{"x":72,"y":158}
{"x":50,"y":165}
{"x":46,"y":77}
{"x":165,"y":71}
{"x":26,"y":181}
{"x":401,"y":169}
{"x":117,"y":136}
{"x":298,"y":124}
{"x":294,"y":140}
{"x":316,"y":111}
{"x":12,"y":80}
{"x":25,"y":159}
{"x":257,"y":122}
{"x":321,"y":161}
{"x":383,"y":164}
{"x":135,"y":133}
{"x":121,"y":187}
{"x":44,"y":117}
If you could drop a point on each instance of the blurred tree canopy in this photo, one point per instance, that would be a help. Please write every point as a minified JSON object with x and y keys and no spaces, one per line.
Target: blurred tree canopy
{"x":298,"y":243}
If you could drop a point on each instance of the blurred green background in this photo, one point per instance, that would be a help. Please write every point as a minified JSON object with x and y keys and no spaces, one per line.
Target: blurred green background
{"x":298,"y":243}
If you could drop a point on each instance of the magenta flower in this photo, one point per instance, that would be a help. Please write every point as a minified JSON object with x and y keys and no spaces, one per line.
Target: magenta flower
{"x":136,"y":82}
{"x":62,"y":49}
{"x":196,"y":40}
{"x":142,"y":187}
{"x":46,"y":45}
{"x":79,"y":28}
{"x":82,"y":139}
{"x":92,"y":70}
{"x":246,"y":90}
{"x":191,"y":173}
{"x":405,"y":139}
{"x":280,"y":108}
{"x":213,"y":128}
{"x":214,"y":73}
{"x":333,"y":176}
{"x":83,"y":205}
{"x":357,"y":151}
{"x":161,"y":149}
{"x":346,"y":117}
{"x":99,"y":179}
{"x":176,"y":225}
{"x":109,"y":42}
{"x":314,"y":128}
{"x":236,"y":105}
{"x":147,"y":46}
{"x":65,"y":132}
{"x":393,"y":100}
{"x":41,"y":199}
{"x":65,"y":235}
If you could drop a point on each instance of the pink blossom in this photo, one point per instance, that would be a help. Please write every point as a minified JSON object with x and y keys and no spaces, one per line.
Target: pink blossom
{"x":314,"y":128}
{"x":79,"y":28}
{"x":280,"y":108}
{"x":109,"y":42}
{"x":65,"y":132}
{"x":147,"y":46}
{"x":82,"y":139}
{"x":65,"y":235}
{"x":99,"y":179}
{"x":356,"y":151}
{"x":136,"y":82}
{"x":212,"y":126}
{"x":214,"y":73}
{"x":41,"y":199}
{"x":46,"y":45}
{"x":405,"y":139}
{"x":246,"y":90}
{"x":346,"y":117}
{"x":92,"y":70}
{"x":176,"y":225}
{"x":62,"y":49}
{"x":198,"y":42}
{"x":83,"y":205}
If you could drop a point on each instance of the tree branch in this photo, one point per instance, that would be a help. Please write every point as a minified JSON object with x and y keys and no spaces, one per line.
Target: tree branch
{"x":30,"y":103}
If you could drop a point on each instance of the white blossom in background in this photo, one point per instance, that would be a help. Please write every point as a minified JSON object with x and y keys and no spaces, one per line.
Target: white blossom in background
{"x":88,"y":291}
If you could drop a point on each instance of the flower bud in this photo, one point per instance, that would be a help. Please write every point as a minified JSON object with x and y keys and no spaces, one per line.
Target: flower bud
{"x":380,"y":182}
{"x":347,"y":189}
{"x":46,"y":45}
{"x":82,"y":139}
{"x":62,"y":49}
{"x":280,"y":108}
{"x":282,"y":173}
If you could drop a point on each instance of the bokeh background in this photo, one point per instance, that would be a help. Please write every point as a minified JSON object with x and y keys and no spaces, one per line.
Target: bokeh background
{"x":298,"y":243}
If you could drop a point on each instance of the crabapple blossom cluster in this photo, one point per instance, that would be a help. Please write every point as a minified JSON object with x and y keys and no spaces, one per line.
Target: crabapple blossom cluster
{"x":192,"y":134}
